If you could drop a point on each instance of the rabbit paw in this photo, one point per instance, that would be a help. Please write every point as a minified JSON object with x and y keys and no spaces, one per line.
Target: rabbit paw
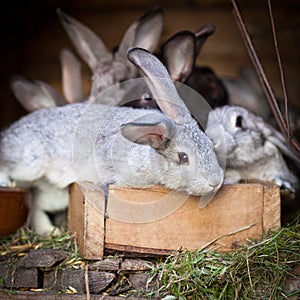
{"x":39,"y":221}
{"x":48,"y":231}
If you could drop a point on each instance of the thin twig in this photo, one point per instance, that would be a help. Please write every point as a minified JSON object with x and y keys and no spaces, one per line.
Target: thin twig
{"x":259,"y":69}
{"x":227,"y":234}
{"x":87,"y":287}
{"x":270,"y":95}
{"x":248,"y":269}
{"x":283,"y":85}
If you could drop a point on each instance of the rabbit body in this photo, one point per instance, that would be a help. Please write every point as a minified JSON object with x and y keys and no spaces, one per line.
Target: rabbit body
{"x":109,"y":68}
{"x":252,"y":147}
{"x":39,"y":149}
{"x":49,"y":154}
{"x":52,"y":148}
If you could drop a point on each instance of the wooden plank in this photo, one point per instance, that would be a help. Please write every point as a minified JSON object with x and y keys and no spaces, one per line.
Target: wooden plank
{"x":234,"y":215}
{"x":271,"y":208}
{"x":25,"y":295}
{"x":86,"y":219}
{"x":156,"y":221}
{"x":76,"y":215}
{"x":132,"y":251}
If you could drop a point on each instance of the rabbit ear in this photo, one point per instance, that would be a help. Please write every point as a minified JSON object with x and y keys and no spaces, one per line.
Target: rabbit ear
{"x":202,"y":34}
{"x":144,"y":33}
{"x":179,"y":55}
{"x":34,"y":95}
{"x":155,"y":133}
{"x":71,"y":76}
{"x":88,"y":45}
{"x":276,"y":138}
{"x":160,"y":84}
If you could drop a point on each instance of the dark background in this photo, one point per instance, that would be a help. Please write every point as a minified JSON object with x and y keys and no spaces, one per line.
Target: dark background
{"x":32,"y":36}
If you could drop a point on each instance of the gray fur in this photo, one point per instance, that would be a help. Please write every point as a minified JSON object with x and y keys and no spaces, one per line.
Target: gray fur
{"x":52,"y":148}
{"x":109,"y":68}
{"x":253,"y":151}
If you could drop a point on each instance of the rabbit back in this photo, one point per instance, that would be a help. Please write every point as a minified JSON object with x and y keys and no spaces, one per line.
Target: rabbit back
{"x":48,"y":143}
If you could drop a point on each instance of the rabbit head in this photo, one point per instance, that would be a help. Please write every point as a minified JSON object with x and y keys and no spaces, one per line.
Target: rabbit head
{"x":247,"y":92}
{"x":110,"y":68}
{"x":185,"y":146}
{"x":253,"y":148}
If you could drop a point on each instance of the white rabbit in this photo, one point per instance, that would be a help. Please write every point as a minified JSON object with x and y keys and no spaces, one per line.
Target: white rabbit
{"x":109,"y":68}
{"x":36,"y":94}
{"x":253,"y":148}
{"x":130,"y":146}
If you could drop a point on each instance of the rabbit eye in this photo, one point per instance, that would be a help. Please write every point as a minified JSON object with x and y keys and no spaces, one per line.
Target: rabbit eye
{"x":147,"y":97}
{"x":183,"y":158}
{"x":239,"y":121}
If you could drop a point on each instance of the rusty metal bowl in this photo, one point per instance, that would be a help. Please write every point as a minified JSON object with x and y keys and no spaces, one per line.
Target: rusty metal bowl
{"x":13,"y":209}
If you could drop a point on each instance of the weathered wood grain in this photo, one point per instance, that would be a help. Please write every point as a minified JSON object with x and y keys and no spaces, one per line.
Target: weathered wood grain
{"x":43,"y":258}
{"x":237,"y":213}
{"x":86,"y":219}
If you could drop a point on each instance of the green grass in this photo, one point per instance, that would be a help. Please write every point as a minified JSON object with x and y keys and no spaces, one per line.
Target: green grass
{"x":18,"y":244}
{"x":256,"y":271}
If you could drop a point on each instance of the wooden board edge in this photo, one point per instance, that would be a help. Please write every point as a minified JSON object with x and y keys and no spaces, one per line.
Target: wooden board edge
{"x":137,"y":250}
{"x":271,"y":208}
{"x":95,"y":225}
{"x":86,"y":221}
{"x":76,"y":215}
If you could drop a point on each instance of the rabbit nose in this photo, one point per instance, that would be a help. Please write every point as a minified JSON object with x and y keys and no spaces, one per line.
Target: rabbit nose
{"x":216,"y":181}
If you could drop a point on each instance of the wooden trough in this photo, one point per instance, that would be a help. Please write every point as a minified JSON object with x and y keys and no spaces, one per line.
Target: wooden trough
{"x":13,"y":209}
{"x":158,"y":221}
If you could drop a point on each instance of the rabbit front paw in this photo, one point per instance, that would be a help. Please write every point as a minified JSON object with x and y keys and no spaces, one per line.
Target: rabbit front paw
{"x":41,"y":224}
{"x":47,"y":230}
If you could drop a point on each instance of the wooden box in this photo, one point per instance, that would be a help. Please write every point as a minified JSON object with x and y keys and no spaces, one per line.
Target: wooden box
{"x":158,"y":221}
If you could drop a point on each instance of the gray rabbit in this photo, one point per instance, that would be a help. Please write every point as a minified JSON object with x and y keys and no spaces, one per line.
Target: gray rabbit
{"x":52,"y":148}
{"x":109,"y":68}
{"x":246,"y":91}
{"x":253,"y":148}
{"x":179,"y":54}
